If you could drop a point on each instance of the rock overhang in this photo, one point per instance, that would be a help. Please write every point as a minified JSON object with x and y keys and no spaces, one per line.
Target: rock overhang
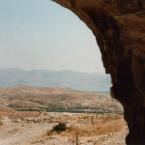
{"x":119,"y":28}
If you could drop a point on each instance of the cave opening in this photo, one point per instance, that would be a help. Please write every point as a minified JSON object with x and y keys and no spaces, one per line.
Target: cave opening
{"x":62,"y":37}
{"x":100,"y":22}
{"x":117,"y":26}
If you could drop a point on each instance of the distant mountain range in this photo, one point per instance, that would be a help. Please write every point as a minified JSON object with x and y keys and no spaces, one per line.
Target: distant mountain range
{"x":46,"y":78}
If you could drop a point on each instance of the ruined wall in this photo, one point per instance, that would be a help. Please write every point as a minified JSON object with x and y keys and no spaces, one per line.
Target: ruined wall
{"x":119,"y":27}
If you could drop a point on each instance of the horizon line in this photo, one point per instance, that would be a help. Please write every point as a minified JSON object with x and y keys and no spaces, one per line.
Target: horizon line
{"x":55,"y":70}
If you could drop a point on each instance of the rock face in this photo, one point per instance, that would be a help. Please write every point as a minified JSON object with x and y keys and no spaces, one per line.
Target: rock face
{"x":119,"y":27}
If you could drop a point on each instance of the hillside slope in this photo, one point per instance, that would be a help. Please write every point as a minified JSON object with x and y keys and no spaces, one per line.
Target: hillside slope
{"x":58,"y":100}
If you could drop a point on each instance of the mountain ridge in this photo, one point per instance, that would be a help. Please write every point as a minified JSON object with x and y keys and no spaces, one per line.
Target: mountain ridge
{"x":11,"y":77}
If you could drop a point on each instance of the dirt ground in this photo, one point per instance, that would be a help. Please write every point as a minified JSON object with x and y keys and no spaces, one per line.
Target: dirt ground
{"x":82,"y":129}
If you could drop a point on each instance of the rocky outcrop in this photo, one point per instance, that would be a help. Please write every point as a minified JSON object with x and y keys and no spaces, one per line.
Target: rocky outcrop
{"x":119,"y":27}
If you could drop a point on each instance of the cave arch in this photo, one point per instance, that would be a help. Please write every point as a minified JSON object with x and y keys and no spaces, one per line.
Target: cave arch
{"x":118,"y":26}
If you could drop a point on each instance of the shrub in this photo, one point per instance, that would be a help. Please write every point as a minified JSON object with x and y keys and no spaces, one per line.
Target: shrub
{"x":60,"y":127}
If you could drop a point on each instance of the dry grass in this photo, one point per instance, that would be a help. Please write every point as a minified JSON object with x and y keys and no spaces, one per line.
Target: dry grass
{"x":92,"y":130}
{"x":12,"y":114}
{"x":81,"y":129}
{"x":105,"y":126}
{"x":1,"y":122}
{"x":100,"y":126}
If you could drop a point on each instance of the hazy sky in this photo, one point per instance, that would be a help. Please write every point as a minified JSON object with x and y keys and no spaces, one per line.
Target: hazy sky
{"x":39,"y":34}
